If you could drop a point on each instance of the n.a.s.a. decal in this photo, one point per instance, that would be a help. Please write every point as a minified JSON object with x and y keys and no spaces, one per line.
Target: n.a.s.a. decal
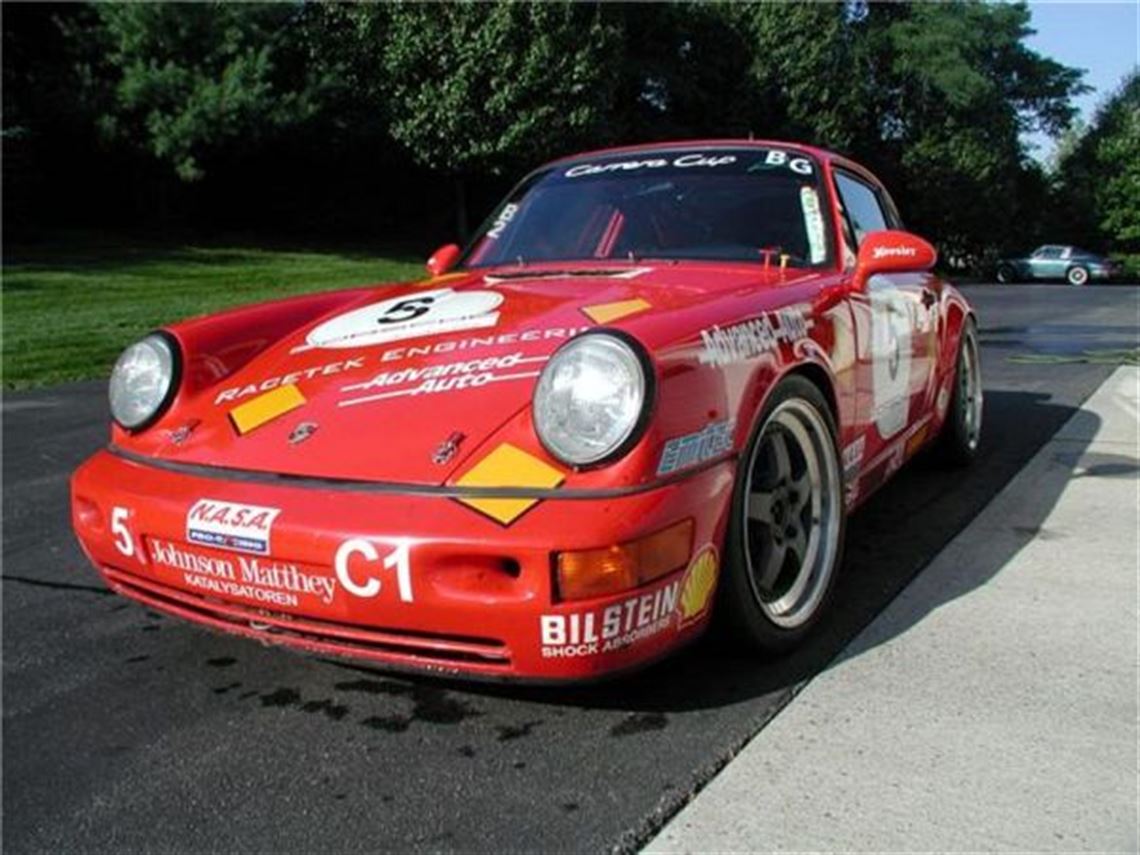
{"x":423,"y":313}
{"x":229,"y":525}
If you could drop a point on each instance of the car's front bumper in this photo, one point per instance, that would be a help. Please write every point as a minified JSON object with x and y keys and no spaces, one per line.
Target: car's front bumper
{"x":425,"y":582}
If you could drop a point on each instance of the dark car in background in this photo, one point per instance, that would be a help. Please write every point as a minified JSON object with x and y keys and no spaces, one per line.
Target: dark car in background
{"x":1054,"y":262}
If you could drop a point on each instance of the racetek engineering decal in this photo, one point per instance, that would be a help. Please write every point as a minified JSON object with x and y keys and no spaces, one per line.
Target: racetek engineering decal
{"x":235,"y":393}
{"x":396,"y":354}
{"x":228,"y":525}
{"x":409,"y":316}
{"x":679,"y":603}
{"x":683,"y":451}
{"x":470,"y":374}
{"x":749,"y":339}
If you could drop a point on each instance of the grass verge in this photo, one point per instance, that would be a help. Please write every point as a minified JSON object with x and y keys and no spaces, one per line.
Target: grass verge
{"x":71,"y":305}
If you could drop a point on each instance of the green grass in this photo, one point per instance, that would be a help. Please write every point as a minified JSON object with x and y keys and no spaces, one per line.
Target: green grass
{"x":70,"y":306}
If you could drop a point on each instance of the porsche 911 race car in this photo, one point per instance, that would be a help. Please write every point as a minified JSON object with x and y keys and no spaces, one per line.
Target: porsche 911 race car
{"x":646,"y":395}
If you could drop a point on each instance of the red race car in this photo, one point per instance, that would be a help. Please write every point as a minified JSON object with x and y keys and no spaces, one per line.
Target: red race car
{"x":646,"y":395}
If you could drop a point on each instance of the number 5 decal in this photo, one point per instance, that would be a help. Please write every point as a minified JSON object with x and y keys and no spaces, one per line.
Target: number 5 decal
{"x":400,"y":559}
{"x":123,"y":540}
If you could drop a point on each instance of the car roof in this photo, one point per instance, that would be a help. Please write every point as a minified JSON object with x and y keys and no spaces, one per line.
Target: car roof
{"x":821,"y":154}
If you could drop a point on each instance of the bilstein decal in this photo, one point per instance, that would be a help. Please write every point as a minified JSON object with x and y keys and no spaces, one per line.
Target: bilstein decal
{"x":609,"y":628}
{"x":422,"y":313}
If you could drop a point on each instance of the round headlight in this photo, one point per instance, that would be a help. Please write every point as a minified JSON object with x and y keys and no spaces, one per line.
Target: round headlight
{"x":142,"y":381}
{"x":590,"y":398}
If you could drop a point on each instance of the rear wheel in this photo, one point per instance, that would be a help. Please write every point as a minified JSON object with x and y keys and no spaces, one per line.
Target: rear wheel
{"x":1077,"y":276}
{"x":962,"y":432}
{"x":785,"y":536}
{"x":1006,"y":274}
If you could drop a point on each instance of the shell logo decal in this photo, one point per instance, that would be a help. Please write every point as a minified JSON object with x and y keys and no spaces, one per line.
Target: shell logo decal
{"x":698,"y":585}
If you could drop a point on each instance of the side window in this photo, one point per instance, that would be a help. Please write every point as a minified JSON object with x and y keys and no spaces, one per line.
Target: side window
{"x":862,"y":206}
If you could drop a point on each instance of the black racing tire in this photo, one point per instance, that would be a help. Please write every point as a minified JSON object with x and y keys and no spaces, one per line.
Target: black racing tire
{"x":1077,"y":275}
{"x":958,"y":443}
{"x":1006,"y":275}
{"x":805,"y":521}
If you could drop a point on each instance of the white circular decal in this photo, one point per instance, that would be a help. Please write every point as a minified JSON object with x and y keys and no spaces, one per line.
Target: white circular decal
{"x":421,"y":313}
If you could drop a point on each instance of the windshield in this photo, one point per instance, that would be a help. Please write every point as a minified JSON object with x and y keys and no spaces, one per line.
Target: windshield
{"x":746,"y":204}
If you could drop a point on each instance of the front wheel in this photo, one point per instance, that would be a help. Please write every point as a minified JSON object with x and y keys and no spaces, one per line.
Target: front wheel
{"x":1077,"y":276}
{"x":785,"y":536}
{"x":1005,"y":274}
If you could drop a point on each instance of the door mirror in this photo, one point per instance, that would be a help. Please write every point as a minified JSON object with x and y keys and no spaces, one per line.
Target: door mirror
{"x":443,"y":259}
{"x":892,"y":251}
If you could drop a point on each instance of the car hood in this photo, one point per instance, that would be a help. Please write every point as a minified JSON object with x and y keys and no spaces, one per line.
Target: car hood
{"x":405,"y":382}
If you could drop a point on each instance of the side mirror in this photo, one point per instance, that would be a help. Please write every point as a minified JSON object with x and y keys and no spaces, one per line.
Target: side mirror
{"x":443,"y":259}
{"x":892,"y":251}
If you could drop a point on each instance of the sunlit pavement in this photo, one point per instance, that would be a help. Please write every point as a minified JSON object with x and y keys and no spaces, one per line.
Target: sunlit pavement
{"x":993,"y":705}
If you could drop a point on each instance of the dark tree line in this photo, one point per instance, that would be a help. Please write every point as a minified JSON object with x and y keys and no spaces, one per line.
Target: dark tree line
{"x":388,"y":119}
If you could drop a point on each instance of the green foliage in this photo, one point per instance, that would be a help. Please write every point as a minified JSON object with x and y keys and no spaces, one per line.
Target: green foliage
{"x":71,"y":306}
{"x":188,"y":79}
{"x":931,"y":96}
{"x":481,"y":87}
{"x":1099,"y":174}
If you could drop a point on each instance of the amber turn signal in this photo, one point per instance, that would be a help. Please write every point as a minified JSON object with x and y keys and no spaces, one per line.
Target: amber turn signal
{"x":597,"y":572}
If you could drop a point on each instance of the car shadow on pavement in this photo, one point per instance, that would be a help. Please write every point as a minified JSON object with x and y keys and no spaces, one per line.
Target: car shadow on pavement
{"x":889,"y":541}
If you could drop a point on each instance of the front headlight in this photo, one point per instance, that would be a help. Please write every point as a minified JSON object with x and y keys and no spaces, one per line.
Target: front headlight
{"x":591,"y":397}
{"x":142,"y":381}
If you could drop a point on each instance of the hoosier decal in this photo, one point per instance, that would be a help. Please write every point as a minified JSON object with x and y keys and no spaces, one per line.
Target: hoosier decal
{"x":228,"y":525}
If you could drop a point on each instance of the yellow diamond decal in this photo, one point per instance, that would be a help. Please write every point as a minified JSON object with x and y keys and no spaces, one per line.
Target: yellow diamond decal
{"x":603,"y":313}
{"x":508,"y":466}
{"x":265,"y":408}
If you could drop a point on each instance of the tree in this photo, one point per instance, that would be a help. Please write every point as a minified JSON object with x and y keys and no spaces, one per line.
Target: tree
{"x":187,"y":79}
{"x":480,"y":89}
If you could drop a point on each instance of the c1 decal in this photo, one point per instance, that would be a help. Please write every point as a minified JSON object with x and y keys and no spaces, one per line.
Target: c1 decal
{"x":424,"y":313}
{"x":364,"y":581}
